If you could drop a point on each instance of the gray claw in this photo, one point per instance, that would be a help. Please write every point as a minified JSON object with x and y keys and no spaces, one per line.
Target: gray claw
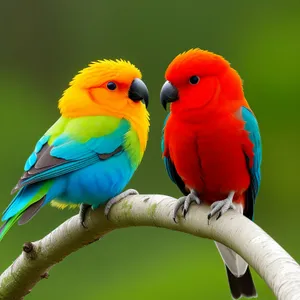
{"x":192,"y":197}
{"x":177,"y":207}
{"x":221,"y":207}
{"x":82,"y":214}
{"x":117,"y":199}
{"x":185,"y":203}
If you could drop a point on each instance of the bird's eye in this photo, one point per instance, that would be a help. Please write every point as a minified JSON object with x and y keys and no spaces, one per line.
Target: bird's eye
{"x":111,"y":86}
{"x":194,"y":79}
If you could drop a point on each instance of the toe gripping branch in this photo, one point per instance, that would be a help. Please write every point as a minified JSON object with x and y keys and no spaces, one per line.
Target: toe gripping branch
{"x":184,"y":203}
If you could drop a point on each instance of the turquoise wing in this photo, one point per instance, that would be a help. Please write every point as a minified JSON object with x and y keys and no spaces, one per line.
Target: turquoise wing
{"x":251,"y":125}
{"x":169,"y":165}
{"x":57,"y":153}
{"x":66,"y":155}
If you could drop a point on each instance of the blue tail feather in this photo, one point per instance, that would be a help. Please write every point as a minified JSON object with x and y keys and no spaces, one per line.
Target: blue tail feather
{"x":25,"y":205}
{"x":21,"y":200}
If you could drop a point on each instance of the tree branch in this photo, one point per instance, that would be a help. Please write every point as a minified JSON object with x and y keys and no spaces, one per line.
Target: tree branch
{"x":271,"y":262}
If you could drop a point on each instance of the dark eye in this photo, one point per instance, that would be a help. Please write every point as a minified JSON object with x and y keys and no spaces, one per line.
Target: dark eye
{"x":194,"y":79}
{"x":111,"y":86}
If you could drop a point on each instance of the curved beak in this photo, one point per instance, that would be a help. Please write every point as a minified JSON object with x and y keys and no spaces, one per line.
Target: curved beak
{"x":168,"y":93}
{"x":138,"y":91}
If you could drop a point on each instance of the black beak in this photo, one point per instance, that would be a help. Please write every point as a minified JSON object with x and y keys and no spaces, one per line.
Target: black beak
{"x":138,"y":91}
{"x":168,"y":93}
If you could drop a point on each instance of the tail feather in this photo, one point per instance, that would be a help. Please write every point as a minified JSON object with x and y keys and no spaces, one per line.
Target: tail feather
{"x":241,"y":286}
{"x":25,"y":205}
{"x":14,"y":206}
{"x":236,"y":264}
{"x":25,"y":197}
{"x":2,"y":228}
{"x":239,"y":276}
{"x":31,"y":211}
{"x":7,"y":225}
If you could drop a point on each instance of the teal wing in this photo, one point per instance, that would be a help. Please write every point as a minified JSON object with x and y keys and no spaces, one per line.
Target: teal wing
{"x":169,"y":165}
{"x":66,"y":155}
{"x":251,"y":125}
{"x":56,"y":155}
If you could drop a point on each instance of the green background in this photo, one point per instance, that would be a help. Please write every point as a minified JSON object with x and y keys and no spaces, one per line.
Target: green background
{"x":44,"y":43}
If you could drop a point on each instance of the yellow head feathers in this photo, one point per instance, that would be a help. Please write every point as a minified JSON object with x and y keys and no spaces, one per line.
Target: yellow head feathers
{"x":98,"y":73}
{"x":108,"y":88}
{"x":105,"y":87}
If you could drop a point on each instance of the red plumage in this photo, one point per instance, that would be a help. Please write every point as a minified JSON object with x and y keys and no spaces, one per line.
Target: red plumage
{"x":204,"y":135}
{"x":208,"y":152}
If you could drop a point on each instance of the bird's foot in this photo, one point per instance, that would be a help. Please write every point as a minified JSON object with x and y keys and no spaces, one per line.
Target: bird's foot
{"x":185,"y":203}
{"x":82,"y":213}
{"x":118,"y":198}
{"x":221,"y":207}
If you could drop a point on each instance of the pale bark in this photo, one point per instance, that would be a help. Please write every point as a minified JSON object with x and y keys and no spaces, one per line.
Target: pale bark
{"x":280,"y":271}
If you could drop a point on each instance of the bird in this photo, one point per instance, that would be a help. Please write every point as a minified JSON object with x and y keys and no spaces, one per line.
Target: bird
{"x":211,"y":146}
{"x":91,"y":152}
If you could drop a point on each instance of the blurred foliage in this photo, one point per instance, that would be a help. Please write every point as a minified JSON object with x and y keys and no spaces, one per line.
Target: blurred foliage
{"x":44,"y":43}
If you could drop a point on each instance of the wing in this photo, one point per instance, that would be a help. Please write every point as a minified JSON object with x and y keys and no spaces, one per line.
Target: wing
{"x":170,"y":167}
{"x":254,"y":164}
{"x":61,"y":150}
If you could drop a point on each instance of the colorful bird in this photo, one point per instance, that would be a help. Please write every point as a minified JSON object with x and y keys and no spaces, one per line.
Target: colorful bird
{"x":89,"y":155}
{"x":211,"y":146}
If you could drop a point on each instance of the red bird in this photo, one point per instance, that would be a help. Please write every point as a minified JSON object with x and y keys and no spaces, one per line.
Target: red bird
{"x":211,"y":146}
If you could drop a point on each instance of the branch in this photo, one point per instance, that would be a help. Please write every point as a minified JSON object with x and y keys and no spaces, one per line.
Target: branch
{"x":271,"y":262}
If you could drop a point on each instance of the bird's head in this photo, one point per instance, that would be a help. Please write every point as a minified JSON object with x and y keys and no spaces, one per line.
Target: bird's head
{"x":198,"y":79}
{"x":105,"y":87}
